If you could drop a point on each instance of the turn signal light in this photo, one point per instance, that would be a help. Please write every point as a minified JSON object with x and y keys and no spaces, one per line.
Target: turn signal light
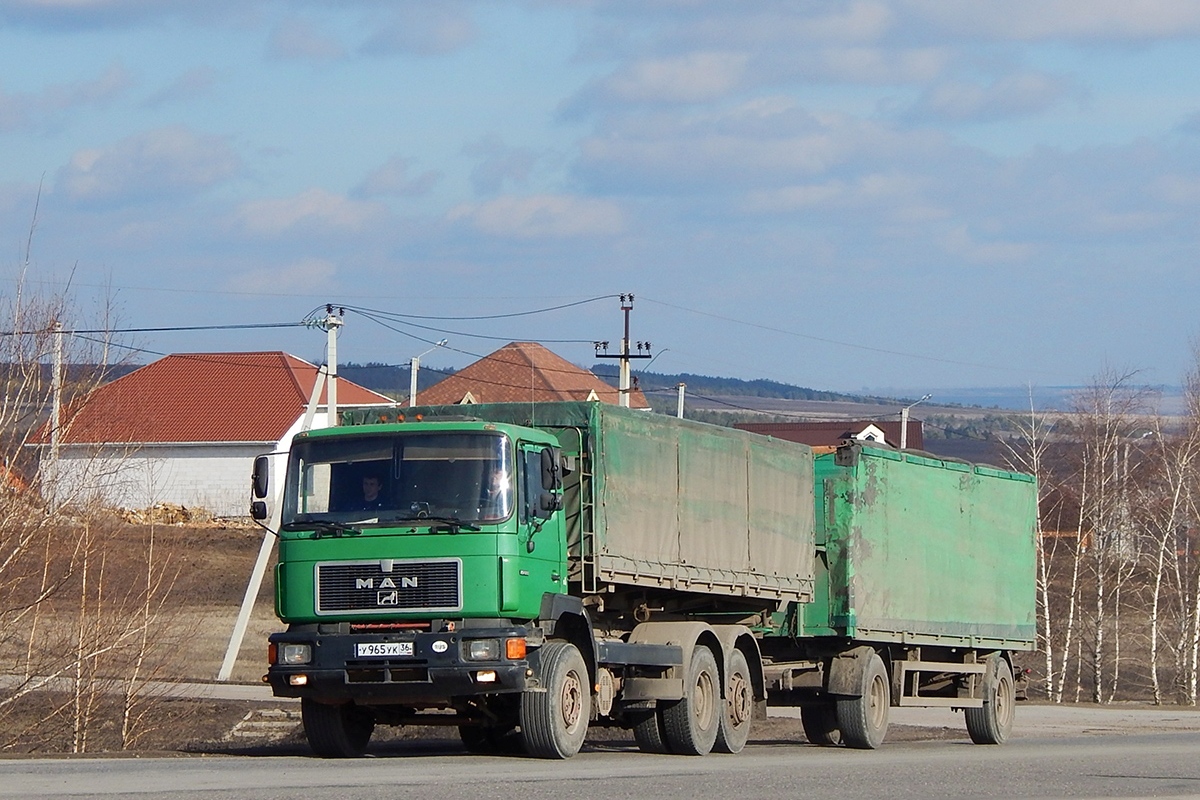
{"x":514,"y":649}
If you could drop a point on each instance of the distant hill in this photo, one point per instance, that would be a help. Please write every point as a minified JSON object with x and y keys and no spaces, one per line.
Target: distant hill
{"x":730,"y":387}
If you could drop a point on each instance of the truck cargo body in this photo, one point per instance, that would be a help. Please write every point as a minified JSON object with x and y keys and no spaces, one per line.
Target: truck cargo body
{"x":641,"y":571}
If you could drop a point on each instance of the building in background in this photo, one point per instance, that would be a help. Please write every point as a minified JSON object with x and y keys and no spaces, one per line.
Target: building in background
{"x":523,"y":372}
{"x":185,"y":429}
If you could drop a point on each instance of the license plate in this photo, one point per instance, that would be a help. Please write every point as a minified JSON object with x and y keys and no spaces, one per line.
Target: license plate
{"x":383,"y":649}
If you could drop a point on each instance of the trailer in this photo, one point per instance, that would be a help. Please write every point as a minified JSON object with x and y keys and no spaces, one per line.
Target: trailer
{"x":533,"y":569}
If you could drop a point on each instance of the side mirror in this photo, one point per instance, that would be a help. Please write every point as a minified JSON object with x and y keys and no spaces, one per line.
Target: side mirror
{"x":260,"y":484}
{"x":551,"y":469}
{"x":548,"y":503}
{"x":260,"y":478}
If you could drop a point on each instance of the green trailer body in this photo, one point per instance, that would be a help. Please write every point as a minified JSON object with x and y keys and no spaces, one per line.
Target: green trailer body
{"x":922,"y":551}
{"x":661,"y":502}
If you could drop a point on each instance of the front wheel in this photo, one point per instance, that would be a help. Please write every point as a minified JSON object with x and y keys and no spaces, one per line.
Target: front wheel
{"x":690,"y":724}
{"x":554,"y":721}
{"x":864,"y":719}
{"x":992,"y":723}
{"x":336,"y":731}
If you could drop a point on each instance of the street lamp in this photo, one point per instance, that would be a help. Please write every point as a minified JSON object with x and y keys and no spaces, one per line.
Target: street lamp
{"x":904,"y":421}
{"x":413,"y":366}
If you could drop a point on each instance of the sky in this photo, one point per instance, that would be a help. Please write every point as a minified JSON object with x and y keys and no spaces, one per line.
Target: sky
{"x":907,"y":194}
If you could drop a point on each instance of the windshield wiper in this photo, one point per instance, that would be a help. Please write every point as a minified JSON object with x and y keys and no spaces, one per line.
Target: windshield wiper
{"x":451,"y":524}
{"x":323,"y":527}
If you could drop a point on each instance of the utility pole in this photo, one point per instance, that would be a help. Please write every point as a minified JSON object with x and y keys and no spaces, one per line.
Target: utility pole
{"x":330,"y":325}
{"x":415,"y":364}
{"x":904,"y":421}
{"x":56,"y":385}
{"x":679,"y":402}
{"x":643,"y":351}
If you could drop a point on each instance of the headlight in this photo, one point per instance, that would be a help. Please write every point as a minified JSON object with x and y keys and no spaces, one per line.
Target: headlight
{"x":482,"y":649}
{"x":295,"y":653}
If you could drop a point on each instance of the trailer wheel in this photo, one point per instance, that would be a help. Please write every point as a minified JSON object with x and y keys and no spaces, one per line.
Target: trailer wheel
{"x":691,"y":724}
{"x":336,"y":731}
{"x":992,"y":723}
{"x":734,"y":729}
{"x":864,"y":719}
{"x":554,"y":722}
{"x":648,"y":731}
{"x":820,"y":723}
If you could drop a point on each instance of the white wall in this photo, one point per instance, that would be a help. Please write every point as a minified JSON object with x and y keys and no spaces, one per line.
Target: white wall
{"x":212,"y":476}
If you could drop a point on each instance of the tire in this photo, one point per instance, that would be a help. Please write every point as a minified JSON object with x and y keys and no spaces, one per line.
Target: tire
{"x":863,"y":720}
{"x":336,"y":731}
{"x":554,"y":722}
{"x":488,"y":741}
{"x":648,"y":732}
{"x":820,"y":723}
{"x":992,"y":723}
{"x":734,"y":728}
{"x":690,"y":725}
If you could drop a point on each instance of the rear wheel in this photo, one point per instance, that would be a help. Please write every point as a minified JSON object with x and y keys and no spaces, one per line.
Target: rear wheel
{"x":734,"y":728}
{"x":690,"y":724}
{"x":864,"y":719}
{"x":554,"y":722}
{"x":648,"y":731}
{"x":336,"y":731}
{"x":820,"y":723}
{"x":992,"y":723}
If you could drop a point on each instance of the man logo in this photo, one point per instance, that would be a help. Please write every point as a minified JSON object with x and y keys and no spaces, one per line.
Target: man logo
{"x":386,"y":583}
{"x":387,"y":599}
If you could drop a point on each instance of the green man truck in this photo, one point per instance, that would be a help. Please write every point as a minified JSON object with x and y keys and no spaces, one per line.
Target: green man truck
{"x":529,"y":570}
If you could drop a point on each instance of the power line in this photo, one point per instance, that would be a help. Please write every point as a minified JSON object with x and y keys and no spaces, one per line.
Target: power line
{"x":840,"y":343}
{"x":172,"y":329}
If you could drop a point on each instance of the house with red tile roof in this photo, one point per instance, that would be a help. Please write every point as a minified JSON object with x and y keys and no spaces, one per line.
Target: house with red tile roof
{"x":523,"y":372}
{"x":186,"y":429}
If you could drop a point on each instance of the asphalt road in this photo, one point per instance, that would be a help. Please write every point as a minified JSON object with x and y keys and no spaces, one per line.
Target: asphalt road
{"x":1058,"y":752}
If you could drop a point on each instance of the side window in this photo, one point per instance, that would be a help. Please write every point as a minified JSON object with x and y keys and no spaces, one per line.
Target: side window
{"x":531,"y":482}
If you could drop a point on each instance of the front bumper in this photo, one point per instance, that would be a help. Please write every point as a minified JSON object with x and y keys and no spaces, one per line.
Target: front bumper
{"x":435,"y":672}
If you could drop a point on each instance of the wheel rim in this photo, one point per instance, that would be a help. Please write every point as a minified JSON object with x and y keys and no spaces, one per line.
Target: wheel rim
{"x":571,"y":701}
{"x":740,"y":706}
{"x":1003,"y":703}
{"x":702,"y":700}
{"x":877,"y":703}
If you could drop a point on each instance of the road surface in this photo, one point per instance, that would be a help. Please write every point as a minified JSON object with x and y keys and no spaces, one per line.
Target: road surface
{"x":1058,"y":752}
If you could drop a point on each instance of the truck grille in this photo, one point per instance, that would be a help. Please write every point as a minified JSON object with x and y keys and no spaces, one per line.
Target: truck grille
{"x":387,"y":586}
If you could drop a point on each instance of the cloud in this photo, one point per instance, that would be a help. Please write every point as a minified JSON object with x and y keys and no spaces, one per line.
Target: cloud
{"x":391,"y":179}
{"x":1016,"y":95}
{"x":297,"y":39}
{"x":422,"y":29}
{"x":169,"y":161}
{"x":962,"y":243}
{"x":768,"y":142}
{"x":87,"y":14}
{"x":691,"y":78}
{"x":314,"y":274}
{"x":313,"y":210}
{"x":188,"y":86}
{"x":26,"y":110}
{"x":498,"y":163}
{"x":543,"y":217}
{"x":1083,"y":20}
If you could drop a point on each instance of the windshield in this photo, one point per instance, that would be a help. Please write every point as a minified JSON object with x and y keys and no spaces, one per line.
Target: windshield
{"x":457,"y":477}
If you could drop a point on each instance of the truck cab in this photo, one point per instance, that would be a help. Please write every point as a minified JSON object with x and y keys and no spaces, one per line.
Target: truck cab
{"x":412,"y":559}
